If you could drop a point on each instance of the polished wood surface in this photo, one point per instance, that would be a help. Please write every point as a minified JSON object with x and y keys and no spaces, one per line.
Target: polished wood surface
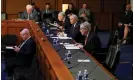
{"x":50,"y":63}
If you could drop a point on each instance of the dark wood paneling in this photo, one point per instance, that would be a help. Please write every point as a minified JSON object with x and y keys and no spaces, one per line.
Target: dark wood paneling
{"x":15,"y":6}
{"x":2,"y":5}
{"x":41,"y":3}
{"x":70,"y":1}
{"x":12,"y":16}
{"x":94,"y":5}
{"x":113,"y":5}
{"x":103,"y":20}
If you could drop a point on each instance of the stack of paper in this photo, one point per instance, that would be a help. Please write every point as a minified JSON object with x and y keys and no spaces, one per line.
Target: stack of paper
{"x":62,"y":37}
{"x":71,"y":46}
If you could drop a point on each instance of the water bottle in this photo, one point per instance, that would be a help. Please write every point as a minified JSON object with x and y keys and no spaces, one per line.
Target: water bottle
{"x":86,"y":75}
{"x":69,"y":54}
{"x":47,"y":33}
{"x":57,"y":40}
{"x":43,"y":25}
{"x":54,"y":42}
{"x":79,"y":77}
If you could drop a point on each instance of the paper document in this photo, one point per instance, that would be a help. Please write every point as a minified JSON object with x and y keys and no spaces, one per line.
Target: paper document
{"x":83,"y":60}
{"x":62,"y":37}
{"x":9,"y":47}
{"x":72,"y":47}
{"x":53,"y":28}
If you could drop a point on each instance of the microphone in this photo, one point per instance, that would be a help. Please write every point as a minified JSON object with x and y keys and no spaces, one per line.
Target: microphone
{"x":68,"y":57}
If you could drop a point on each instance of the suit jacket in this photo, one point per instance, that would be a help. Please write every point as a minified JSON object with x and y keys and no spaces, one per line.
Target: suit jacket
{"x":33,"y":16}
{"x":68,"y":11}
{"x":66,"y":24}
{"x":93,"y":43}
{"x":75,"y":32}
{"x":46,"y":14}
{"x":27,"y":51}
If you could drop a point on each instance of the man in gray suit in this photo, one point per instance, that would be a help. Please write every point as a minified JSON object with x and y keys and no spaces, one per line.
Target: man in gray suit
{"x":29,"y":14}
{"x":84,"y":12}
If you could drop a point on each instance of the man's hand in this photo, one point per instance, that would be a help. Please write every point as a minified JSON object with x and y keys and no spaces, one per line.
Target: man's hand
{"x":119,"y":24}
{"x":83,"y":15}
{"x":79,"y":45}
{"x":16,"y":48}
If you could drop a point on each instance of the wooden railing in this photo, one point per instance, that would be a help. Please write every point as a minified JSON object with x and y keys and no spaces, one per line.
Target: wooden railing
{"x":50,"y":63}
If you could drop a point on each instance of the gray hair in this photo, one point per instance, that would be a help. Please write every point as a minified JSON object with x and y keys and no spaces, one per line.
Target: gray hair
{"x":62,"y":13}
{"x":85,"y":25}
{"x":74,"y":16}
{"x":29,"y":6}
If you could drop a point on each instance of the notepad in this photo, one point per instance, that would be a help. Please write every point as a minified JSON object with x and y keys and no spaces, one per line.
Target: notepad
{"x":83,"y":60}
{"x":9,"y":47}
{"x":62,"y":37}
{"x":53,"y":28}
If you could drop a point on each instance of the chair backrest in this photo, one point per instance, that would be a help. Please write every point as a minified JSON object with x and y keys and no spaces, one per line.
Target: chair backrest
{"x":20,"y":14}
{"x":55,"y":15}
{"x":3,"y":16}
{"x":104,"y":38}
{"x":112,"y":57}
{"x":9,"y":40}
{"x":126,"y":53}
{"x":124,"y":71}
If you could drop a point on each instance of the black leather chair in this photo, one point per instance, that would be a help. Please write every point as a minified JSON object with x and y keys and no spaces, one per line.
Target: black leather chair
{"x":26,"y":71}
{"x":20,"y":14}
{"x":3,"y":16}
{"x":9,"y":40}
{"x":112,"y":58}
{"x":55,"y":15}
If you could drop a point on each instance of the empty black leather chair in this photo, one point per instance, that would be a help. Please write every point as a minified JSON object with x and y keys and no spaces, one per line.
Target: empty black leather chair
{"x":20,"y":14}
{"x":9,"y":40}
{"x":112,"y":58}
{"x":55,"y":15}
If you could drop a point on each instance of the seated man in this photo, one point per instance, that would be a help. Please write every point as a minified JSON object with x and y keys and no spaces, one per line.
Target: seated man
{"x":74,"y":29}
{"x":92,"y":42}
{"x":24,"y":53}
{"x":29,"y":14}
{"x":63,"y":21}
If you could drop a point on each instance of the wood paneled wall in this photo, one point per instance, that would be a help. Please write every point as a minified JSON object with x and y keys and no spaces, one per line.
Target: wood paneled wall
{"x":103,"y":9}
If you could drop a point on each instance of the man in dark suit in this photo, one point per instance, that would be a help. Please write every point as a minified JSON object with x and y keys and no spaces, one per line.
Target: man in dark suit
{"x":47,"y":13}
{"x":36,"y":9}
{"x":29,"y":14}
{"x":63,"y":21}
{"x":24,"y":53}
{"x":92,"y":42}
{"x":74,"y":29}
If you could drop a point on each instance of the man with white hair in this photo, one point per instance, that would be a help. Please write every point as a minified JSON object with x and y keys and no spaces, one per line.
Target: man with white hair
{"x":29,"y":14}
{"x":74,"y":29}
{"x":63,"y":21}
{"x":24,"y":53}
{"x":92,"y":42}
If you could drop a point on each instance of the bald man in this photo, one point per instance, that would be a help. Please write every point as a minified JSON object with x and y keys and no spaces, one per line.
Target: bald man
{"x":29,"y":14}
{"x":24,"y":53}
